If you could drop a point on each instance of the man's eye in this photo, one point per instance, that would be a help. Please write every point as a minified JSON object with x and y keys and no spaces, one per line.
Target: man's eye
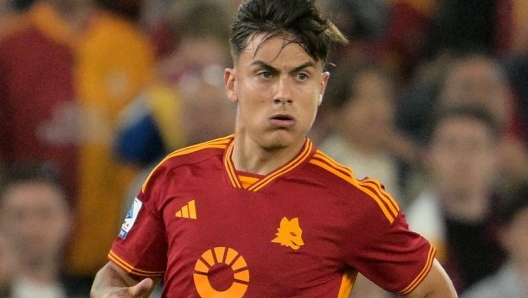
{"x":265,"y":74}
{"x":302,"y":76}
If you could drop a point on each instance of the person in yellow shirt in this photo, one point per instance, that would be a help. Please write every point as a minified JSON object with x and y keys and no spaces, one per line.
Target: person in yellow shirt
{"x":115,"y":61}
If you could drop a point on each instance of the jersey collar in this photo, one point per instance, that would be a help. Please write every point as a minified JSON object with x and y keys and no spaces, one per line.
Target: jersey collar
{"x":303,"y":155}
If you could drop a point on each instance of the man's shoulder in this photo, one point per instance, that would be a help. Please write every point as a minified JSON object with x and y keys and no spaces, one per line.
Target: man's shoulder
{"x":201,"y":157}
{"x":342,"y":178}
{"x":325,"y":167}
{"x":366,"y":192}
{"x":198,"y":152}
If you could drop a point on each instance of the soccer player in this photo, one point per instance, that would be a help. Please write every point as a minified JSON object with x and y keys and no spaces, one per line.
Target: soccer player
{"x":263,"y":213}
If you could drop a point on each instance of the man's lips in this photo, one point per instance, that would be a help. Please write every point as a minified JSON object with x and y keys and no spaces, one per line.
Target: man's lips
{"x":282,"y":120}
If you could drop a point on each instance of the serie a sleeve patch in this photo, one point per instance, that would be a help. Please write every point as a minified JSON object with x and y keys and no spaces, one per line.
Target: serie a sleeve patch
{"x":130,"y":218}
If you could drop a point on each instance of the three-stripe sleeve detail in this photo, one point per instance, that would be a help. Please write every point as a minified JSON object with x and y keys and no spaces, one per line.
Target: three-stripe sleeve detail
{"x":131,"y":269}
{"x":421,"y":275}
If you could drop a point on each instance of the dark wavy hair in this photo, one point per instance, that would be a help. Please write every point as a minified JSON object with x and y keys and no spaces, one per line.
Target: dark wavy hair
{"x":299,"y":18}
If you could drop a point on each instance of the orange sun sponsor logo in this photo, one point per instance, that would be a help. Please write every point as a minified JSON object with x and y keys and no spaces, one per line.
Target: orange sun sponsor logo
{"x":230,"y":278}
{"x":289,"y":234}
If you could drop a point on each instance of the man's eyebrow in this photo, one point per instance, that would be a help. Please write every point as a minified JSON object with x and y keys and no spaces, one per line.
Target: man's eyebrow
{"x":265,"y":65}
{"x":303,"y":66}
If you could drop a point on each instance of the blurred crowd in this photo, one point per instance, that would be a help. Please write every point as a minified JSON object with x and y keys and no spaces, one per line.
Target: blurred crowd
{"x":430,"y":97}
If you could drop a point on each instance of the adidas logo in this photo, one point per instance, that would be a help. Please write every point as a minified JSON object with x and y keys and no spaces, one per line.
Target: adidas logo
{"x":187,"y":211}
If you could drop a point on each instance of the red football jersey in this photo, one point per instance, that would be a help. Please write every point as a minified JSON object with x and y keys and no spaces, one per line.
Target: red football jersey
{"x":304,"y":230}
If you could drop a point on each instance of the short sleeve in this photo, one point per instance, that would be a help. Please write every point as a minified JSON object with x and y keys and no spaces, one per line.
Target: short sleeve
{"x":141,"y":247}
{"x":392,"y":256}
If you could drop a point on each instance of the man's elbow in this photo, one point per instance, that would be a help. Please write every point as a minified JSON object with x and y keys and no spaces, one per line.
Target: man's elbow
{"x":436,"y":284}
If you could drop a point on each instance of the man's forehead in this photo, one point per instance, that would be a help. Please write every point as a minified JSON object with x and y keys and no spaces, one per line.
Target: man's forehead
{"x":268,"y":48}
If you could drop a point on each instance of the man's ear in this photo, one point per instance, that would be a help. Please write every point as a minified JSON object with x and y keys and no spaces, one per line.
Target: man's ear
{"x":229,"y":81}
{"x":324,"y":83}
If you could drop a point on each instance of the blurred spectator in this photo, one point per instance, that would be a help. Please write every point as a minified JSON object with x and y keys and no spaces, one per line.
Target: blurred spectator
{"x":115,"y":61}
{"x":200,"y":38}
{"x":456,"y":212}
{"x":36,"y":218}
{"x":362,"y":100}
{"x":482,"y":80}
{"x":471,"y":78}
{"x":512,"y":279}
{"x":168,"y":114}
{"x":453,"y":77}
{"x":37,"y":87}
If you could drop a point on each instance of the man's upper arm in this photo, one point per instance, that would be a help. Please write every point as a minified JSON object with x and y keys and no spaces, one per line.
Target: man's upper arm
{"x":435,"y":285}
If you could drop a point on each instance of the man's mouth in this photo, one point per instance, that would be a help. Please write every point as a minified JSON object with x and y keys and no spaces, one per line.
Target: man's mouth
{"x":282,"y":120}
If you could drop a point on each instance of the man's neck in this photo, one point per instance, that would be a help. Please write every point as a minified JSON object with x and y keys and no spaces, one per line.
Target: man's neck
{"x":250,"y":157}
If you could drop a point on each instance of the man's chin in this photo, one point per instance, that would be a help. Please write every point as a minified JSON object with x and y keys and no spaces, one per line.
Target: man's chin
{"x":279,"y":140}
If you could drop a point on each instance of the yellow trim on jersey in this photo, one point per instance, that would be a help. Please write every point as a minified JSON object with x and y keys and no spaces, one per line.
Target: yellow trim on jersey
{"x":387,"y":204}
{"x":260,"y":183}
{"x":347,"y":284}
{"x":230,"y":167}
{"x":220,"y":143}
{"x":247,"y":181}
{"x":395,"y":208}
{"x":305,"y":153}
{"x":131,"y":269}
{"x":422,"y":275}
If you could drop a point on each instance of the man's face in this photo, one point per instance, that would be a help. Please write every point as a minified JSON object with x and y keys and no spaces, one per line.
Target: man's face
{"x":36,"y":220}
{"x":462,"y":156}
{"x":278,"y":88}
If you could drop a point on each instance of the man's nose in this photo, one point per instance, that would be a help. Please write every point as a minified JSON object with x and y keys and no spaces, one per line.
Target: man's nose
{"x":283,"y":94}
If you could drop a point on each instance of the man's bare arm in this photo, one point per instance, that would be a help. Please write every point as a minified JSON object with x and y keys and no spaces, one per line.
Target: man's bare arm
{"x":435,"y":285}
{"x":112,"y":281}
